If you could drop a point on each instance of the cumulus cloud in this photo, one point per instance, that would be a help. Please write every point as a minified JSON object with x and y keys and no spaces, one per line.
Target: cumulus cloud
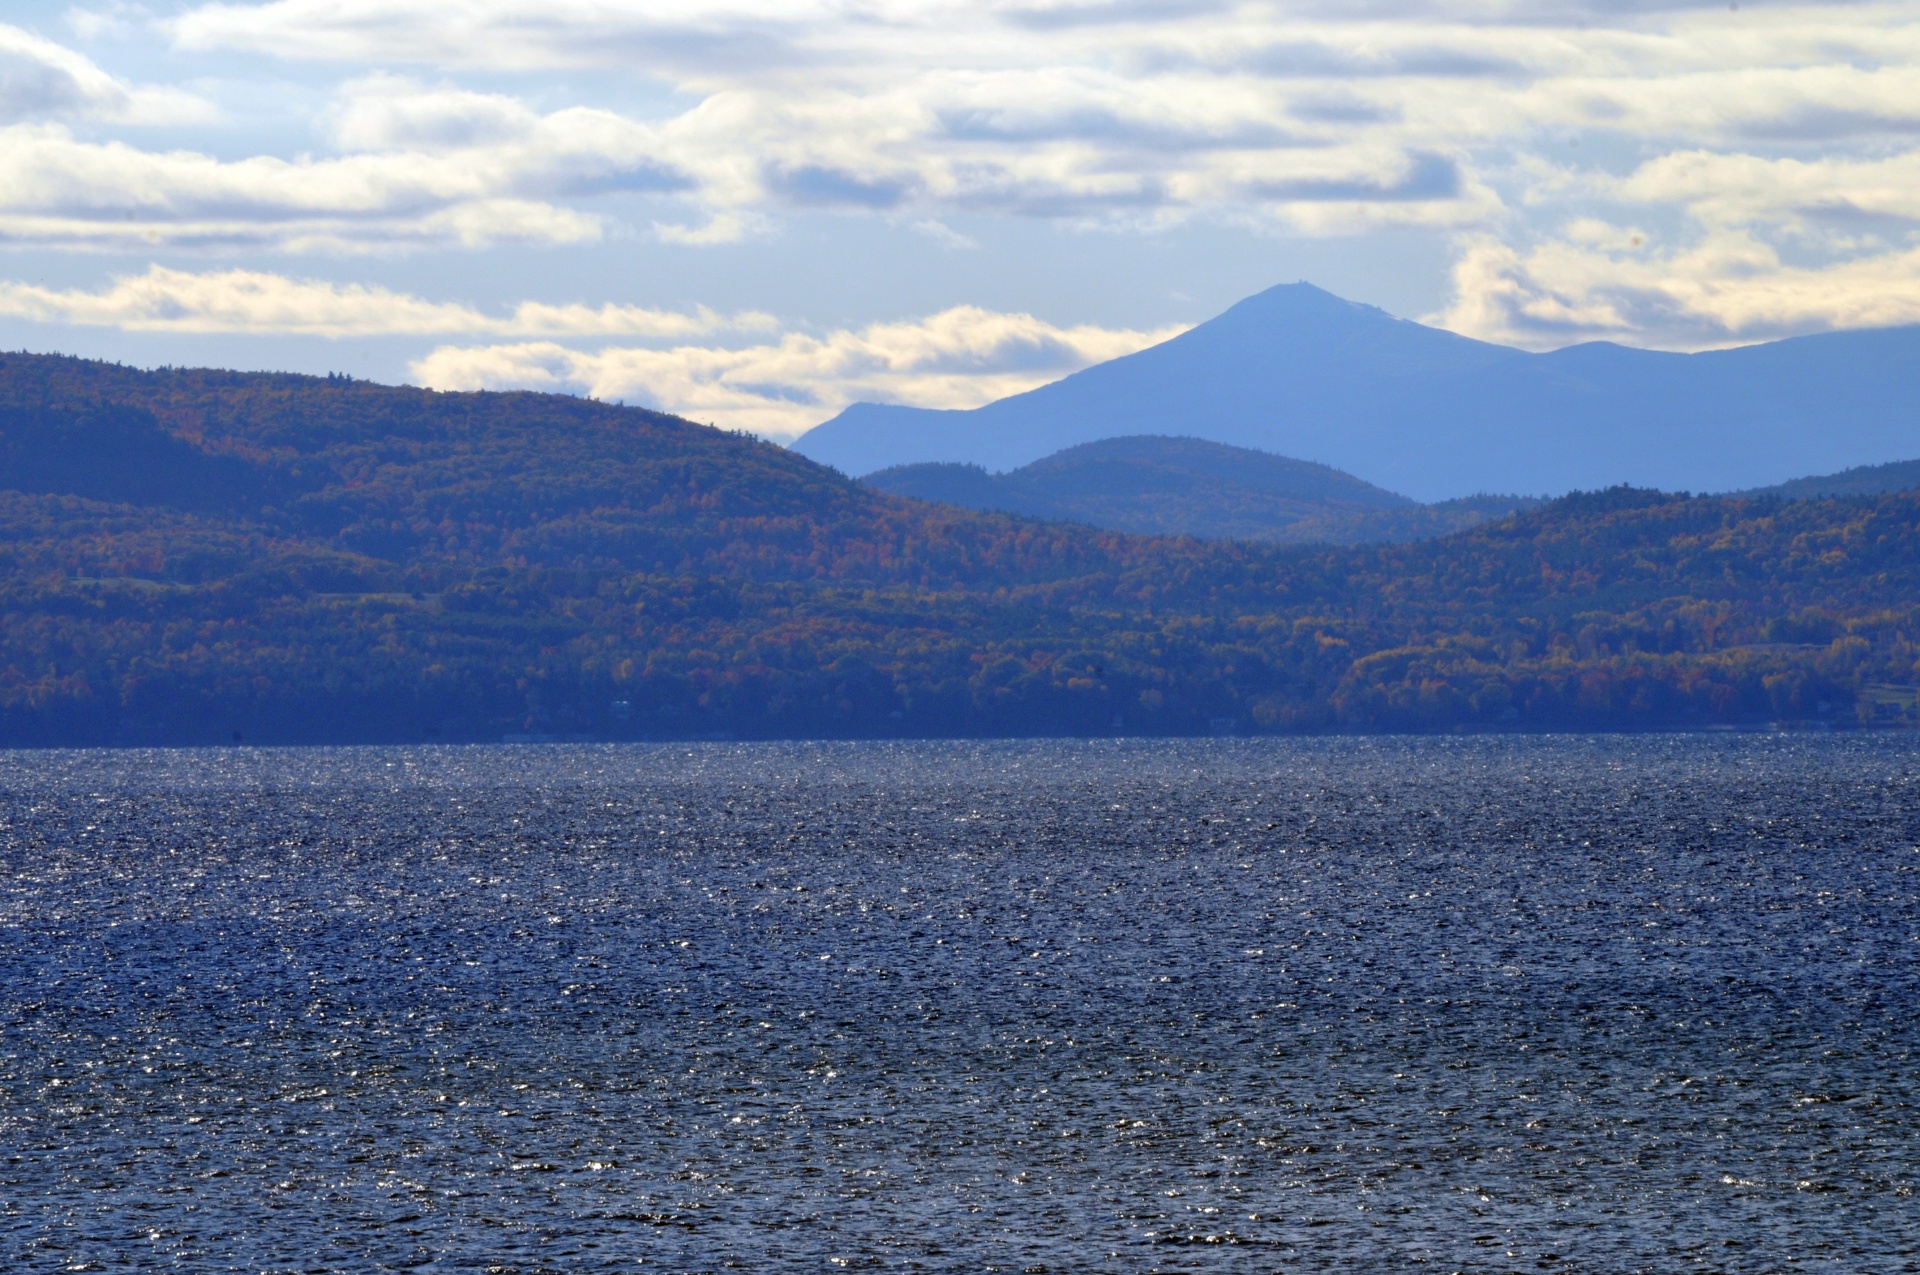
{"x":1319,"y":118}
{"x":959,"y":358}
{"x":248,"y":301}
{"x":505,"y":34}
{"x":1721,"y":189}
{"x":1775,"y":147}
{"x":423,"y":169}
{"x":925,"y":107}
{"x":768,"y":381}
{"x":1747,"y":247}
{"x":1601,"y":282}
{"x":385,"y":113}
{"x":43,"y":80}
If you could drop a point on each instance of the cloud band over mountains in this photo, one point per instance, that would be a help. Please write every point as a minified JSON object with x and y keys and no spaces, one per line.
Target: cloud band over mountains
{"x":1678,"y":174}
{"x":959,"y":358}
{"x":258,"y":303}
{"x":772,"y":382}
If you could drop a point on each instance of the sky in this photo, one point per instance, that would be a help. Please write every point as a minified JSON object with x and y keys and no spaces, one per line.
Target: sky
{"x":753,"y":212}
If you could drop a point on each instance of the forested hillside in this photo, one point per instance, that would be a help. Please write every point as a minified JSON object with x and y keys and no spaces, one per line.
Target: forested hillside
{"x":1863,"y":480}
{"x":191,"y":556}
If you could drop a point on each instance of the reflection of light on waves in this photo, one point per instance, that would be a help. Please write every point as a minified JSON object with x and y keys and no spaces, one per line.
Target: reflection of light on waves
{"x":186,"y":937}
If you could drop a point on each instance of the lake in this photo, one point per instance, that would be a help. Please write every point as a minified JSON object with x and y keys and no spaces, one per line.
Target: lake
{"x":1496,"y":1004}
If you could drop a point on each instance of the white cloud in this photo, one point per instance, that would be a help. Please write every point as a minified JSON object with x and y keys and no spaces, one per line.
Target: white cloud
{"x":43,"y":80}
{"x":921,"y":108}
{"x":1740,"y":190}
{"x":507,"y":34}
{"x":386,"y":113}
{"x":1729,"y":288}
{"x":958,"y":358}
{"x":722,"y":227}
{"x":59,"y":189}
{"x":1753,"y":247}
{"x":1316,"y":118}
{"x":1775,"y":148}
{"x":247,"y":301}
{"x":777,"y":384}
{"x":946,"y":236}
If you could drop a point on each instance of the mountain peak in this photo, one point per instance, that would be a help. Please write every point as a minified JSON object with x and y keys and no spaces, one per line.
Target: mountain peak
{"x":1303,"y":299}
{"x":1297,"y":371}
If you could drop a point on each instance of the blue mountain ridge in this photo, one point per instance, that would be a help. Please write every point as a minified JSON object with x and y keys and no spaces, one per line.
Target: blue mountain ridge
{"x":1158,"y":486}
{"x":1299,"y":372}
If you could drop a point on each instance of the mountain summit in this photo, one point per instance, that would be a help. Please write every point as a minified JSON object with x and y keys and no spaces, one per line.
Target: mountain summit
{"x":1300,"y":372}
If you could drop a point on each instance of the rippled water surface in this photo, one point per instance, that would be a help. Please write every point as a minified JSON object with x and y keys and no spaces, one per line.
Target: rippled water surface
{"x":1621,"y":1005}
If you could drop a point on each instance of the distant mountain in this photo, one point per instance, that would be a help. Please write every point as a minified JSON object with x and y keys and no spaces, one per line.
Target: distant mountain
{"x":1152,"y":485}
{"x":1296,"y":371}
{"x":1864,"y":480}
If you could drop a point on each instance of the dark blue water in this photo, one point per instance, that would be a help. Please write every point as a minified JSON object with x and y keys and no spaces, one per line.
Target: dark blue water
{"x":1599,"y":1005}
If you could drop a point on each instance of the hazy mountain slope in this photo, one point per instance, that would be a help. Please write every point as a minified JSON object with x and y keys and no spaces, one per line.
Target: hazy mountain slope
{"x":1295,"y":350}
{"x":1147,"y":464}
{"x":1866,"y":480}
{"x":1298,"y":372}
{"x":1186,"y":486}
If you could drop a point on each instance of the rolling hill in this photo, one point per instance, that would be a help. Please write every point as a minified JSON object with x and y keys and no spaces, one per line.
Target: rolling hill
{"x":197,"y":556}
{"x":1864,"y":480}
{"x":1295,"y":371}
{"x":1189,"y":487}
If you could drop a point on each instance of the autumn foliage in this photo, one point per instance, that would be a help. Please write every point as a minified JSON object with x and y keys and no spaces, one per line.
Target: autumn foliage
{"x":187,"y":555}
